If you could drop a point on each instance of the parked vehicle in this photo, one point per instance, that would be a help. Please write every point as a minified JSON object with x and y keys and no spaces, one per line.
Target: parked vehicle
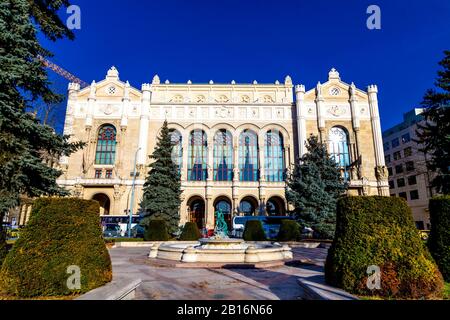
{"x":271,"y":225}
{"x":112,"y":230}
{"x":137,"y":231}
{"x":122,"y":221}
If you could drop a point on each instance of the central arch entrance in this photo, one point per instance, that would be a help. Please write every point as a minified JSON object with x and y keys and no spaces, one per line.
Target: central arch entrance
{"x":196,"y":207}
{"x":248,"y":206}
{"x":224,"y":204}
{"x":104,"y":202}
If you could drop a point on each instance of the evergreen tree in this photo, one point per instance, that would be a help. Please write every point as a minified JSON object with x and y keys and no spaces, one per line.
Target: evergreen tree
{"x":24,"y":141}
{"x":162,"y":188}
{"x":313,"y":187}
{"x":434,"y":134}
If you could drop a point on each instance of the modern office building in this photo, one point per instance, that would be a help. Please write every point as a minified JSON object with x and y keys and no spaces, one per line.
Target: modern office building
{"x":408,"y":175}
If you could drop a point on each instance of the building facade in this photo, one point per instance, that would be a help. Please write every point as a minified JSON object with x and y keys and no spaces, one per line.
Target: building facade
{"x":233,"y":142}
{"x":408,"y":174}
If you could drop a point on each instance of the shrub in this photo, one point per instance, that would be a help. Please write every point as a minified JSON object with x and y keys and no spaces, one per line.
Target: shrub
{"x":156,"y":231}
{"x":254,"y":231}
{"x":380,"y":231}
{"x":61,"y":232}
{"x":439,"y":239}
{"x":289,"y":231}
{"x":190,"y":232}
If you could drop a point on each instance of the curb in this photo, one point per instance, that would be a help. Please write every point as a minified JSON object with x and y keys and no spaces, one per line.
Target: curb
{"x":123,"y":289}
{"x":319,"y":291}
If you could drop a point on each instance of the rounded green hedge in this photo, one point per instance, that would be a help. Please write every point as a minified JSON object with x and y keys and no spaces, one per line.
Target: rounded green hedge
{"x":289,"y":231}
{"x":380,"y":231}
{"x":254,"y":231}
{"x":61,"y":232}
{"x":439,"y":239}
{"x":156,"y":231}
{"x":190,"y":232}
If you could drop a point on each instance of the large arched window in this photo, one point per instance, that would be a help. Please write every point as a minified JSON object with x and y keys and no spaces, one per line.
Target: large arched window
{"x":274,"y":156}
{"x":338,"y":147}
{"x":248,"y":156}
{"x":106,"y":145}
{"x":177,"y":151}
{"x":223,"y":156}
{"x":197,"y":156}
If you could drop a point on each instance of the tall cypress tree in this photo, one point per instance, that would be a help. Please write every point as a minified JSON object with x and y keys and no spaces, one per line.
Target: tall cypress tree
{"x":162,"y":188}
{"x":313,"y":187}
{"x":434,"y":134}
{"x":24,"y":141}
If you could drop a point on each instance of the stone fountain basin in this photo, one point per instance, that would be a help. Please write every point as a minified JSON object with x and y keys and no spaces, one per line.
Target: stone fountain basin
{"x":221,"y":251}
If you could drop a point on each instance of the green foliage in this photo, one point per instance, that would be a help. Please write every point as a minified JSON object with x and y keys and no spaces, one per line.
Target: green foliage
{"x":162,"y":188}
{"x":254,"y":231}
{"x":156,"y":230}
{"x":61,"y":232}
{"x":289,"y":231}
{"x":190,"y":232}
{"x":24,"y":141}
{"x":3,"y":246}
{"x":380,"y":231}
{"x":439,"y":239}
{"x":313,"y":187}
{"x":434,"y":134}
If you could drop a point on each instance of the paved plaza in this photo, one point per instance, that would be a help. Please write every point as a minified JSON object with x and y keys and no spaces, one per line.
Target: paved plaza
{"x":280,"y":283}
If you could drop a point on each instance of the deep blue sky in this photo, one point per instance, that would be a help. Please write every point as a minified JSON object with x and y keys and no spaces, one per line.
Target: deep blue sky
{"x":263,"y":40}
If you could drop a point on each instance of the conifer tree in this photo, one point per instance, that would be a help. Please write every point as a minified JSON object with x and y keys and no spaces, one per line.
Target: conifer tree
{"x":24,"y":141}
{"x":434,"y":134}
{"x":313,"y":187}
{"x":162,"y":188}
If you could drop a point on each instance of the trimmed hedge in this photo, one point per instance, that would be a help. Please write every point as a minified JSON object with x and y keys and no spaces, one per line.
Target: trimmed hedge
{"x":439,"y":239}
{"x":289,"y":231}
{"x":380,"y":231}
{"x":190,"y":232}
{"x":156,"y":231}
{"x":61,"y":232}
{"x":254,"y":231}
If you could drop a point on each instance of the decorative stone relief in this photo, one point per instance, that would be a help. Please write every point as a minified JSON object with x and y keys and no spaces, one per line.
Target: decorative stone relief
{"x":109,"y":109}
{"x":245,"y":99}
{"x":200,"y":99}
{"x":268,"y":99}
{"x":337,"y":111}
{"x":223,"y":112}
{"x":222,"y":99}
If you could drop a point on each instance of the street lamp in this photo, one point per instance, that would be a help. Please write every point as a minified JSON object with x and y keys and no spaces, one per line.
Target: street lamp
{"x":132,"y":193}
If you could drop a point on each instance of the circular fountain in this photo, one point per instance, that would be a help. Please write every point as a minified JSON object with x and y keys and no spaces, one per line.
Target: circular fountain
{"x":220,"y":249}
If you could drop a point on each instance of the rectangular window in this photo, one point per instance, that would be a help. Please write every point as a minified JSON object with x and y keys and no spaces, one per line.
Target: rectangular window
{"x":391,"y":184}
{"x":393,"y":195}
{"x":108,"y":174}
{"x":412,"y":180}
{"x":98,"y":174}
{"x":414,"y":194}
{"x":403,"y":195}
{"x":386,"y":146}
{"x":398,"y":168}
{"x":390,"y":171}
{"x":406,"y":138}
{"x":387,"y":158}
{"x":400,"y":182}
{"x":395,"y":143}
{"x":397,"y":155}
{"x":407,"y":152}
{"x":409,"y":166}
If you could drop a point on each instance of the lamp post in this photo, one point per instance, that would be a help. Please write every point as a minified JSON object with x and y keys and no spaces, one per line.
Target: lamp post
{"x":132,"y":193}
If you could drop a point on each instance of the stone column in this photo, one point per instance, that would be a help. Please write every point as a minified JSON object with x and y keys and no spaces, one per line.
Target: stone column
{"x":91,"y":104}
{"x":143,"y":125}
{"x":125,"y":106}
{"x":261,"y":158}
{"x":320,"y":112}
{"x":355,"y":122}
{"x":376,"y":127}
{"x":301,"y":119}
{"x":73,"y":90}
{"x":185,"y":147}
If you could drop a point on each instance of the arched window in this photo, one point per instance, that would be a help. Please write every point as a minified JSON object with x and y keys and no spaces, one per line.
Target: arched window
{"x":274,"y":156}
{"x":248,"y":156}
{"x":197,"y":156}
{"x":248,"y":206}
{"x":338,"y":147}
{"x":177,"y":151}
{"x":223,"y":156}
{"x":106,"y":145}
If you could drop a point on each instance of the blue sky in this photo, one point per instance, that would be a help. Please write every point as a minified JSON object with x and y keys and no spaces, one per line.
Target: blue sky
{"x":263,"y":40}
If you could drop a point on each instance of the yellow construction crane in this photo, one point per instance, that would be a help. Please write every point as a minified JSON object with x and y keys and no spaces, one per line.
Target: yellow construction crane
{"x":62,"y":72}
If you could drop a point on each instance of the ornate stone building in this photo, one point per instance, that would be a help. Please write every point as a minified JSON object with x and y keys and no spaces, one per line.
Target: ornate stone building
{"x":233,"y":142}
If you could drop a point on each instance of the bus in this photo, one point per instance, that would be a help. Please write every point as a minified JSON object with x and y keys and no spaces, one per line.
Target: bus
{"x":122,"y":221}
